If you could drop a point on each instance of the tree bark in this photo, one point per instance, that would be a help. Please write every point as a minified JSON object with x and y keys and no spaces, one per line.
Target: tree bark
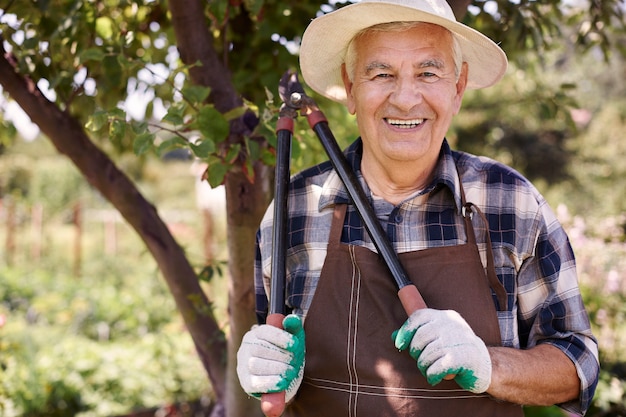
{"x":70,"y":139}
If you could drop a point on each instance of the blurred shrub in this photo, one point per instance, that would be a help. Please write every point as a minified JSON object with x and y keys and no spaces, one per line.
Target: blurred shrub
{"x":48,"y":372}
{"x":57,"y":182}
{"x":15,"y":177}
{"x":96,"y":346}
{"x":102,"y":307}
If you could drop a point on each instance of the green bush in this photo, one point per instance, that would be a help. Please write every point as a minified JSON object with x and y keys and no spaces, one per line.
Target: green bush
{"x":58,"y":183}
{"x":106,"y":306}
{"x":93,"y":346}
{"x":48,"y":372}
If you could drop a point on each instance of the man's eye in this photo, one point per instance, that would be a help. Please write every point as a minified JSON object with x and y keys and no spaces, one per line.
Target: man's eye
{"x":429,"y":76}
{"x":383,"y":75}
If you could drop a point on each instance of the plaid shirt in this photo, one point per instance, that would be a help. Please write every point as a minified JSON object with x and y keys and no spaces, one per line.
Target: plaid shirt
{"x":532,"y":254}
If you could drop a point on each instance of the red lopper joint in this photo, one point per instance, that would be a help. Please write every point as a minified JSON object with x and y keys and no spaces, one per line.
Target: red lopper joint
{"x":284,"y":123}
{"x":315,"y":117}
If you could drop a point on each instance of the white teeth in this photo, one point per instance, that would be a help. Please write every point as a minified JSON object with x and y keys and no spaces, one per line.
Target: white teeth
{"x":405,"y":124}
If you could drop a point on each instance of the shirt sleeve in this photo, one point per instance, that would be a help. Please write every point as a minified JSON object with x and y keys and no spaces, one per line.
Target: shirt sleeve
{"x":551,"y":309}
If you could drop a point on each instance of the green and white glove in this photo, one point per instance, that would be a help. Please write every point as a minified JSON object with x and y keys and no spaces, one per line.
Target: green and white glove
{"x":444,"y":344}
{"x":271,"y":359}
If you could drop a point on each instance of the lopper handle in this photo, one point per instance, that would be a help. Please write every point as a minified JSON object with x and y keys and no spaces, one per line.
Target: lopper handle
{"x":412,"y":301}
{"x":273,"y":404}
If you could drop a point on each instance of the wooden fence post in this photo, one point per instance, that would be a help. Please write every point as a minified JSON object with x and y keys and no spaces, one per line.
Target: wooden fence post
{"x":78,"y":228}
{"x":10,"y":236}
{"x":36,"y":231}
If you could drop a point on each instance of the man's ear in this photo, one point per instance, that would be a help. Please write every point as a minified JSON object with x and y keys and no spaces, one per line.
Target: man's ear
{"x":461,"y":85}
{"x":347,"y":83}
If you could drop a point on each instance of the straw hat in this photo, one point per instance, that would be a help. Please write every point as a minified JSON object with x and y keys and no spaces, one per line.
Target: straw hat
{"x":326,"y":40}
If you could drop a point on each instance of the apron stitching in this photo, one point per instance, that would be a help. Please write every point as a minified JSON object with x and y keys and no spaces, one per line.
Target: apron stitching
{"x":353,"y":325}
{"x":329,"y":383}
{"x":427,"y":393}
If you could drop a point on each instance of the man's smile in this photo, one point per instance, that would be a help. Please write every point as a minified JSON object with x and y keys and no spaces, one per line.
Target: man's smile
{"x":404,"y":124}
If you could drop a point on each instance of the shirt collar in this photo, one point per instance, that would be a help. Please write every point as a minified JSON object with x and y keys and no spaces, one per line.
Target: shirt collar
{"x":446,"y":175}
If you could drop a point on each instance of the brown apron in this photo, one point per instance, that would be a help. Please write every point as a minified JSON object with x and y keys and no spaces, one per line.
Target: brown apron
{"x":352,"y":367}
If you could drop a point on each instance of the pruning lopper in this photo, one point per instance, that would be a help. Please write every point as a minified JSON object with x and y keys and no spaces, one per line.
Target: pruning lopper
{"x":296,"y":101}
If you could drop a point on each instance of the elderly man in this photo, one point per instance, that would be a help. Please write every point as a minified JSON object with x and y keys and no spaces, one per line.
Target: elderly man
{"x":505,"y":323}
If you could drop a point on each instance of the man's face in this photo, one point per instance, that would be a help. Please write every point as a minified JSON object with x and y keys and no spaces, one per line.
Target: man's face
{"x":404,"y":94}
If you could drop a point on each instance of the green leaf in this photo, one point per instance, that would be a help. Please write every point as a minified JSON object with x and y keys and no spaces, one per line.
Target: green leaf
{"x":212,"y":124}
{"x":104,"y":27}
{"x":254,"y":150}
{"x":150,"y":110}
{"x":196,"y":94}
{"x":139,"y":127}
{"x":216,"y":173}
{"x":92,"y":54}
{"x":97,"y":121}
{"x":218,"y":9}
{"x":235,"y":113}
{"x":233,"y":153}
{"x":31,"y":43}
{"x":254,"y":6}
{"x":269,"y":96}
{"x":210,"y":271}
{"x":268,"y":158}
{"x":175,"y":115}
{"x":126,"y":63}
{"x":117,"y":129}
{"x":117,"y":113}
{"x":143,"y":143}
{"x":203,"y":148}
{"x":112,"y":72}
{"x":169,"y":144}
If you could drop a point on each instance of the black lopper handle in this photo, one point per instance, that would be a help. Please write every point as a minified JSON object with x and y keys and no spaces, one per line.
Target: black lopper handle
{"x":273,"y":404}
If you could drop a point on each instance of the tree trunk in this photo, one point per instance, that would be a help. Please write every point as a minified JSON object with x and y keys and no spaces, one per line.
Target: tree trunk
{"x":245,"y":204}
{"x":245,"y":201}
{"x":70,"y":139}
{"x":459,"y":7}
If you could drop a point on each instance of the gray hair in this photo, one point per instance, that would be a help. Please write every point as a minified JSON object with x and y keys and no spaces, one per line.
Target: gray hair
{"x":350,"y":57}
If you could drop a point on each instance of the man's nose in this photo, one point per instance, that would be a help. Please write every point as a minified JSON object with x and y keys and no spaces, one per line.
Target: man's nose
{"x":406,"y":93}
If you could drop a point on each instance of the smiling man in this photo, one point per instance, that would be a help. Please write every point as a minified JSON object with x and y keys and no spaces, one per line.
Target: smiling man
{"x":404,"y":94}
{"x":505,"y":324}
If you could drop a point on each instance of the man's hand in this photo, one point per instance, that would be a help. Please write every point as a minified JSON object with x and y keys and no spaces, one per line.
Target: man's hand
{"x":444,"y":344}
{"x":272,"y":360}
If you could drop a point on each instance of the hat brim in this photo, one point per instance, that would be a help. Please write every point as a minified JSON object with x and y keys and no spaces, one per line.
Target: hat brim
{"x":326,"y":40}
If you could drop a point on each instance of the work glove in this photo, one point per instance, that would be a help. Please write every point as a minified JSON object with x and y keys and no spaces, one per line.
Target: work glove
{"x":444,"y":344}
{"x":271,"y":359}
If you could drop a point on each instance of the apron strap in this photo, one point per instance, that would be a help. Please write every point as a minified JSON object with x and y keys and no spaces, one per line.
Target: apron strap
{"x":494,"y":282}
{"x":336,"y":228}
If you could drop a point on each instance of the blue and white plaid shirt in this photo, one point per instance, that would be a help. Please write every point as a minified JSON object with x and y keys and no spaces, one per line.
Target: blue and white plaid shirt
{"x":532,"y":254}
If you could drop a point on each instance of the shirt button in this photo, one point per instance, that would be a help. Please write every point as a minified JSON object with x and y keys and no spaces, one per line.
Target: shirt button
{"x":398,"y":218}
